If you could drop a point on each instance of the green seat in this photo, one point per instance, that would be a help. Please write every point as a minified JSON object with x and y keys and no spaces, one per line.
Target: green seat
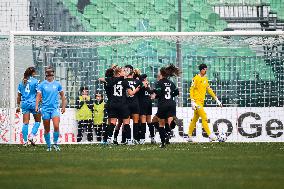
{"x":104,"y":51}
{"x":280,"y":12}
{"x":275,"y":4}
{"x":248,"y":68}
{"x":101,"y":25}
{"x":162,"y":25}
{"x":214,"y":2}
{"x":172,"y":20}
{"x":96,"y":20}
{"x":160,"y":5}
{"x":124,"y":26}
{"x":221,"y":25}
{"x":213,"y":18}
{"x":93,"y":2}
{"x":206,"y":11}
{"x":224,"y":52}
{"x":172,"y":3}
{"x":74,"y":2}
{"x":245,"y":52}
{"x":89,"y":11}
{"x":150,"y":13}
{"x":112,"y":13}
{"x":115,"y":23}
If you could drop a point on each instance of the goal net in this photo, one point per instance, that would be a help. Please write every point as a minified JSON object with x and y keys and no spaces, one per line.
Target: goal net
{"x":245,"y":69}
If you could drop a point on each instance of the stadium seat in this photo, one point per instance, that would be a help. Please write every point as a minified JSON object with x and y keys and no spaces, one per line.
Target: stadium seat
{"x":135,"y":15}
{"x":280,"y":11}
{"x":214,"y":2}
{"x":213,"y":18}
{"x":74,"y":2}
{"x":224,"y":52}
{"x":205,"y":11}
{"x":90,"y":11}
{"x":221,"y":25}
{"x":275,"y":4}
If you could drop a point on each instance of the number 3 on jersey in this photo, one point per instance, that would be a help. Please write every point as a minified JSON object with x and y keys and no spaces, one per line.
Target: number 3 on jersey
{"x":117,"y":89}
{"x":168,"y":93}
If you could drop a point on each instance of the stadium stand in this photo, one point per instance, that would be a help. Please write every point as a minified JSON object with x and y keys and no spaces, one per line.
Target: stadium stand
{"x":163,"y":15}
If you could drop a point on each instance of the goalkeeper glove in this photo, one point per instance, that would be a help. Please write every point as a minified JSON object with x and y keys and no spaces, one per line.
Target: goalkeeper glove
{"x":218,"y":102}
{"x":193,"y":105}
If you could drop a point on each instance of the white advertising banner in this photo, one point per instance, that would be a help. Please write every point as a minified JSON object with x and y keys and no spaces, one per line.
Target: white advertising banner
{"x":240,"y":125}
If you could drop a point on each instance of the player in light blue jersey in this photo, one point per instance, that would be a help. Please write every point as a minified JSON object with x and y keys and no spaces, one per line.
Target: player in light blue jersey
{"x":48,"y":93}
{"x":26,"y":99}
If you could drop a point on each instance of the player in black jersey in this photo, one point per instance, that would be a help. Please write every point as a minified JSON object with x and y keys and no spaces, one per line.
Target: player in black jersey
{"x":118,"y":108}
{"x":166,"y":90}
{"x":108,"y":90}
{"x":145,"y":104}
{"x":132,"y":100}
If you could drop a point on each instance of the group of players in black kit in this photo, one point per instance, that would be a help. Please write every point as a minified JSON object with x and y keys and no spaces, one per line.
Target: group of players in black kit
{"x":130,"y":96}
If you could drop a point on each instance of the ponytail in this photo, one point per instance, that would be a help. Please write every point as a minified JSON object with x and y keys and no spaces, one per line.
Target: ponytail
{"x":28,"y":73}
{"x":170,"y":71}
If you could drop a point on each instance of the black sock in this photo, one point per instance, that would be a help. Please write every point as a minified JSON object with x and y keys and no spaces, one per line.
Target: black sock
{"x":127,"y":130}
{"x":142,"y":130}
{"x":173,"y":124}
{"x":162,"y":134}
{"x":89,"y":131}
{"x":110,"y":130}
{"x":80,"y":132}
{"x":151,"y":129}
{"x":156,"y":125}
{"x":116,"y":132}
{"x":123,"y":137}
{"x":105,"y":133}
{"x":136,"y":131}
{"x":168,"y":129}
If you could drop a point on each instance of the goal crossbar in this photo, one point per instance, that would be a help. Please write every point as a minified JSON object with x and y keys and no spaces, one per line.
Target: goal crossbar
{"x":147,"y":34}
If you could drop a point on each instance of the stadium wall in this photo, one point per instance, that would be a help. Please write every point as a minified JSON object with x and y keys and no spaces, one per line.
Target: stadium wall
{"x":240,"y":124}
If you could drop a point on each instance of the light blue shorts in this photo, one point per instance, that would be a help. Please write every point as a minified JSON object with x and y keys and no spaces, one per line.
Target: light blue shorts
{"x":29,"y":108}
{"x":49,"y":114}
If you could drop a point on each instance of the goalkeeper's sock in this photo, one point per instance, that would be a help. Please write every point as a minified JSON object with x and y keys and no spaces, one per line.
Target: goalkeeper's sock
{"x":151,"y":129}
{"x":206,"y":127}
{"x":35,"y":128}
{"x":25,"y":131}
{"x":55,"y":137}
{"x":47,"y":139}
{"x":191,"y":127}
{"x":162,"y":134}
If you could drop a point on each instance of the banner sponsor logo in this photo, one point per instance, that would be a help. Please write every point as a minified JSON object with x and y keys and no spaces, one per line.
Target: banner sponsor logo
{"x":239,"y":124}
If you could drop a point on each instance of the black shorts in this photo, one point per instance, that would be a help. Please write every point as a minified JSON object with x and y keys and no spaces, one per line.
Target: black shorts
{"x":133,"y":107}
{"x":146,"y":108}
{"x":119,"y":111}
{"x":166,"y":110}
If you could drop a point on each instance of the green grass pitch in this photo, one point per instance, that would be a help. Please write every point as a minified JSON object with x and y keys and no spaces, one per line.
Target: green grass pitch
{"x":200,"y":165}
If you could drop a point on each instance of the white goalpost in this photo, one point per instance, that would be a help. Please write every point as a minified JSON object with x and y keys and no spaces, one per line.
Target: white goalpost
{"x":246,"y":70}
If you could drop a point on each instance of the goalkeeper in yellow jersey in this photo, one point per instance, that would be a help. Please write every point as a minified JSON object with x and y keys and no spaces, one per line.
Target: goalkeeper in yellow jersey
{"x":197,"y":91}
